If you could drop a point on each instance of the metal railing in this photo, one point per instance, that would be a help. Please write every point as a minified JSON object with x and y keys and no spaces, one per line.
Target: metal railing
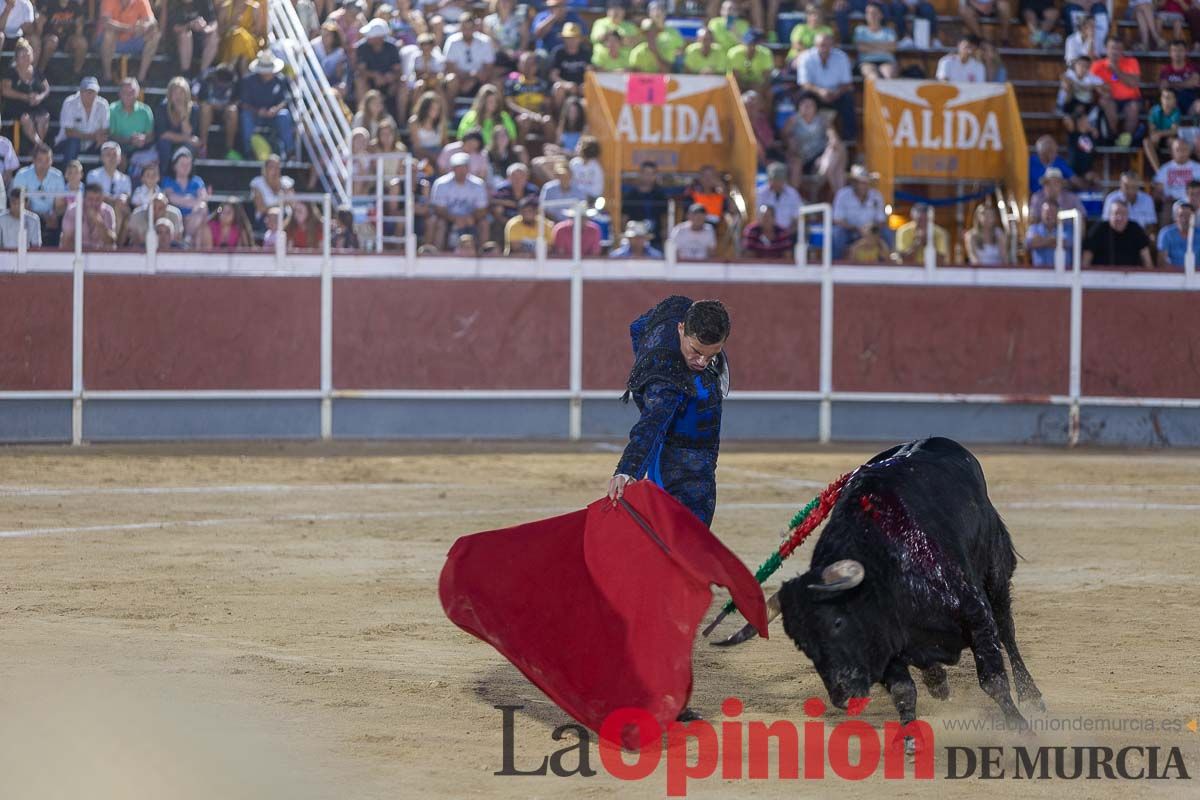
{"x":379,"y":197}
{"x":826,"y":212}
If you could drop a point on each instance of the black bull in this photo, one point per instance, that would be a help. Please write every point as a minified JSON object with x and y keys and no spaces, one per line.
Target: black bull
{"x":912,"y":568}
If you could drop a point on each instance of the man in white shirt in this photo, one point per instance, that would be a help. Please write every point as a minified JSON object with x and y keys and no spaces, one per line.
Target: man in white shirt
{"x":16,"y":17}
{"x":10,"y":224}
{"x":824,"y":72}
{"x":694,"y":240}
{"x":83,"y":121}
{"x":470,"y":56}
{"x":115,"y":184}
{"x":459,"y":202}
{"x":781,"y":197}
{"x":1172,"y":178}
{"x":1141,"y":205}
{"x":856,"y":207}
{"x":962,"y":66}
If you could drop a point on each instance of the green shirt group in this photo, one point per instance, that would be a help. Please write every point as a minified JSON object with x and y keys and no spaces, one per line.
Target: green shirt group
{"x":727,"y":54}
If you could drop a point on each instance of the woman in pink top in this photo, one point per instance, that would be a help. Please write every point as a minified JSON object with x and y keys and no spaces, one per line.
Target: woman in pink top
{"x":229,"y":227}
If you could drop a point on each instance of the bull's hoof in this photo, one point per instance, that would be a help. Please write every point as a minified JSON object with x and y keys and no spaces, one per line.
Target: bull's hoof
{"x":688,"y":715}
{"x":744,"y":634}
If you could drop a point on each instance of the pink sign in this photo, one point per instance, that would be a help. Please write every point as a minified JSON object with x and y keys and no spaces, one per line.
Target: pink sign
{"x":646,"y":89}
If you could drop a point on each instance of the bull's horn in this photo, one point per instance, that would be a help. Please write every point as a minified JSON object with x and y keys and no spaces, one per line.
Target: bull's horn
{"x":749,"y":632}
{"x":840,"y":576}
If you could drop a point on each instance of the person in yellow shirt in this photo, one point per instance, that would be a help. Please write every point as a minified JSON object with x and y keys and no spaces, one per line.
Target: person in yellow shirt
{"x":612,"y":55}
{"x":805,"y":34}
{"x":910,"y":238}
{"x":703,"y":57}
{"x":752,"y":64}
{"x":659,"y":50}
{"x":728,"y":29}
{"x":613,"y":20}
{"x":521,"y":232}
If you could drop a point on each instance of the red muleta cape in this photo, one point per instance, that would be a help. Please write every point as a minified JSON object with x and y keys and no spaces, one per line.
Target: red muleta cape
{"x":591,"y":609}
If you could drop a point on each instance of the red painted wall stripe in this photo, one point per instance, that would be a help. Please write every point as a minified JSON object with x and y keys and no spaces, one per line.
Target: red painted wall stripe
{"x":1141,"y":344}
{"x":35,"y":333}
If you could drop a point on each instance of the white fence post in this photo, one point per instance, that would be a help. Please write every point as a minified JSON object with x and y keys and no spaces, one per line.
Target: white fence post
{"x":22,"y":234}
{"x":1076,"y":343}
{"x":326,"y":321}
{"x":826,"y":212}
{"x":77,"y":326}
{"x":930,"y":243}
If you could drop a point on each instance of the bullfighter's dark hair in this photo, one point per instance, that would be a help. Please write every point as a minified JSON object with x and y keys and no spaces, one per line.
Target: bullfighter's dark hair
{"x":708,"y":321}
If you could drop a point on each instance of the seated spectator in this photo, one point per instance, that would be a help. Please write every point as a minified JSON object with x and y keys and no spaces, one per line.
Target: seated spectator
{"x":99,"y":223}
{"x":262,"y":102}
{"x":569,"y":62}
{"x":1172,"y":178}
{"x":1076,"y":12}
{"x":549,"y":25}
{"x":377,"y":65}
{"x":1078,"y":93}
{"x":19,"y":20}
{"x":73,"y":174}
{"x":83,"y":121}
{"x":1172,"y":239}
{"x":176,"y":123}
{"x":529,"y":98}
{"x":1162,"y":127}
{"x":973,"y":11}
{"x":815,"y":153}
{"x":188,"y":193}
{"x":387,"y":142}
{"x":613,"y":20}
{"x":612,"y":54}
{"x":274,"y":221}
{"x":586,"y":170}
{"x":40,"y":176}
{"x":1143,"y":12}
{"x":522,"y":231}
{"x":1041,"y":19}
{"x":330,"y":50}
{"x":763,"y":239}
{"x":229,"y":229}
{"x":824,"y":72}
{"x":703,"y":57}
{"x":985,"y":242}
{"x":427,"y":127}
{"x":562,"y":242}
{"x":139,"y":221}
{"x":305,"y":228}
{"x":191,"y":22}
{"x":710,"y":191}
{"x":661,"y":48}
{"x":805,"y":34}
{"x":215,"y":92}
{"x":694,"y":239}
{"x":782,"y":198}
{"x":243,"y":25}
{"x":487,"y":114}
{"x":729,"y":28}
{"x":895,"y":12}
{"x":131,"y":125}
{"x":645,"y":199}
{"x":1181,"y":75}
{"x":752,"y":63}
{"x":572,"y":122}
{"x":127,"y":27}
{"x":424,"y":70}
{"x":1041,"y":239}
{"x":962,"y":66}
{"x":1083,"y":42}
{"x":993,"y":65}
{"x":1121,"y":95}
{"x":470,"y":60}
{"x":11,"y":221}
{"x":459,"y":203}
{"x":466,"y":246}
{"x":876,"y":45}
{"x":870,"y":248}
{"x":271,"y":188}
{"x":371,"y":111}
{"x":167,"y":234}
{"x":1140,"y":204}
{"x":1044,"y":156}
{"x":1117,"y":242}
{"x":342,"y":235}
{"x":147,"y":187}
{"x":508,"y":27}
{"x":23,"y":93}
{"x":1054,"y":189}
{"x":507,"y":199}
{"x":635,"y":242}
{"x":856,"y":208}
{"x":114,"y":184}
{"x":9,"y":163}
{"x":911,"y":238}
{"x":502,"y":154}
{"x":65,"y":21}
{"x":561,"y":188}
{"x":472,"y":146}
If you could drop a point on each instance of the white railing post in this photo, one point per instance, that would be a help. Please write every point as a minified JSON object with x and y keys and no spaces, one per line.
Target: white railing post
{"x":280,"y":238}
{"x":826,"y":212}
{"x":1075,"y":377}
{"x":1060,"y":255}
{"x":577,"y":234}
{"x":575,"y":410}
{"x":326,"y":322}
{"x":410,"y":232}
{"x":930,"y":244}
{"x":77,"y":326}
{"x":1189,"y":256}
{"x":151,"y":238}
{"x":825,"y":412}
{"x":801,"y":241}
{"x":22,"y":234}
{"x":379,"y":205}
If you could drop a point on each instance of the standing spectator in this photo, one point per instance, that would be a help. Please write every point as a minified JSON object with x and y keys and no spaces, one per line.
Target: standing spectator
{"x":973,"y":11}
{"x":645,"y":199}
{"x":611,"y":55}
{"x":962,"y":66}
{"x":568,"y":64}
{"x":459,"y":203}
{"x":522,"y":230}
{"x":99,"y":223}
{"x":1121,"y":96}
{"x":1180,"y":74}
{"x":243,"y":25}
{"x":65,"y":20}
{"x":911,"y":238}
{"x":177,"y":122}
{"x":155,"y":208}
{"x":1172,"y":178}
{"x":782,"y":198}
{"x":83,"y":121}
{"x":1163,"y":126}
{"x":985,"y":243}
{"x":763,"y":239}
{"x":1042,"y":238}
{"x":424,"y":69}
{"x":752,"y":64}
{"x":40,"y":176}
{"x":188,"y":193}
{"x":855,"y":209}
{"x":1083,"y":42}
{"x":190,"y":21}
{"x":24,"y":90}
{"x":561,"y":188}
{"x":508,"y":27}
{"x":216,"y":93}
{"x":548,"y":26}
{"x":1140,"y":204}
{"x":824,"y":72}
{"x":262,"y":101}
{"x":470,"y":59}
{"x":487,"y":114}
{"x":815,"y":152}
{"x":694,"y":239}
{"x":1054,"y":189}
{"x":729,"y":28}
{"x":114,"y":184}
{"x":271,"y":188}
{"x":703,"y":57}
{"x":11,"y":221}
{"x":635,"y":242}
{"x":1172,"y":239}
{"x":127,"y":27}
{"x":876,"y":44}
{"x":131,"y":125}
{"x":1117,"y":242}
{"x":377,"y":64}
{"x":17,"y":21}
{"x":427,"y":127}
{"x":529,"y":98}
{"x":613,"y":20}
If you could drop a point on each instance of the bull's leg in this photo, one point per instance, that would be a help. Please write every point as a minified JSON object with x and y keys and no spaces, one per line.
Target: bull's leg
{"x":1027,"y":690}
{"x":935,"y":681}
{"x":989,"y":660}
{"x":900,"y":686}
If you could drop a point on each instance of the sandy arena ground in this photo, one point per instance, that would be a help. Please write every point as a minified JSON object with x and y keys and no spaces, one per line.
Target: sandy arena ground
{"x":262,"y":621}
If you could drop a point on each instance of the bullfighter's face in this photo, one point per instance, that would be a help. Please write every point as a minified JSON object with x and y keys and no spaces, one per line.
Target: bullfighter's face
{"x":697,"y":354}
